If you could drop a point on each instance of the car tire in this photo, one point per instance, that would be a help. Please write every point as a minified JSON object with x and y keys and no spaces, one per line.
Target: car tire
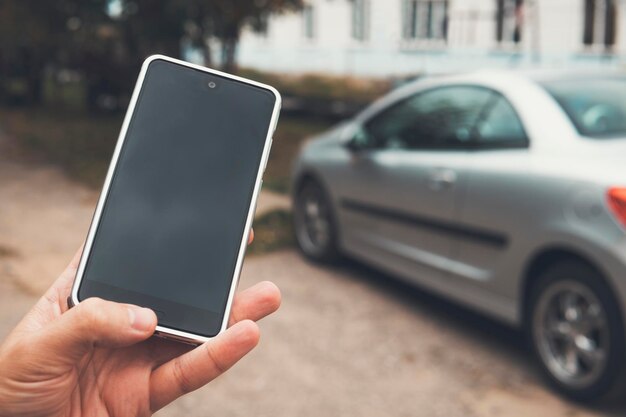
{"x":575,"y":328}
{"x":315,"y":224}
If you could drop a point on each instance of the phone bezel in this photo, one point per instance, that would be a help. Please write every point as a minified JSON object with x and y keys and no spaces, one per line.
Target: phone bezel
{"x":163,"y":331}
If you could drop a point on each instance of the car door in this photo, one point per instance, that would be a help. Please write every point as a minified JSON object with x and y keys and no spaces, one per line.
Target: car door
{"x":401,"y":186}
{"x":495,"y":212}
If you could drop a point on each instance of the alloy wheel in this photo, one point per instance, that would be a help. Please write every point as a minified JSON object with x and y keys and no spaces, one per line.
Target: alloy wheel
{"x":313,"y":223}
{"x":571,"y":333}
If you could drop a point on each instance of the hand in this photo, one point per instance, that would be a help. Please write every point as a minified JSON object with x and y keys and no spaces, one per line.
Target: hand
{"x":99,"y":359}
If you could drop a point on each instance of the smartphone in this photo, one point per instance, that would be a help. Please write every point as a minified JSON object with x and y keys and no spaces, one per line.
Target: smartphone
{"x":171,"y":226}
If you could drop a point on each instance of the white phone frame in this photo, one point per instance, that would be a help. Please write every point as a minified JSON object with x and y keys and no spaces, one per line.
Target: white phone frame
{"x":163,"y":331}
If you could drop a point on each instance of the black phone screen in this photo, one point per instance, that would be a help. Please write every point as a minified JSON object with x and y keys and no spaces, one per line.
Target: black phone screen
{"x":172,"y":223}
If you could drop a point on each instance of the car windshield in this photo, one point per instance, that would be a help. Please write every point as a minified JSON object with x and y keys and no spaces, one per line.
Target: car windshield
{"x":596,"y":106}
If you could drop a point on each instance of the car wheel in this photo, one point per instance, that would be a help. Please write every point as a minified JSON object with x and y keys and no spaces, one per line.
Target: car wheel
{"x":576,"y":330}
{"x":314,"y":223}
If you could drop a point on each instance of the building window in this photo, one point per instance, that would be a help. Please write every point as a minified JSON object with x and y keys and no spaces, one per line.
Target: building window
{"x":509,"y":20}
{"x":308,"y":20}
{"x":426,"y":19}
{"x":600,"y":23}
{"x":360,"y":19}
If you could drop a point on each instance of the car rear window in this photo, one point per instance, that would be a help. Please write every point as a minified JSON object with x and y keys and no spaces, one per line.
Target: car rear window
{"x":596,"y":106}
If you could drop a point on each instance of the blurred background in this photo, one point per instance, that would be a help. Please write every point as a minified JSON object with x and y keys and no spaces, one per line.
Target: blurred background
{"x":351,"y":339}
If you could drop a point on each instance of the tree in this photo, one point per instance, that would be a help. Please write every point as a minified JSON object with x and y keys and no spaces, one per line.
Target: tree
{"x":84,"y":36}
{"x":160,"y":26}
{"x":108,"y":48}
{"x":224,"y":20}
{"x":34,"y":34}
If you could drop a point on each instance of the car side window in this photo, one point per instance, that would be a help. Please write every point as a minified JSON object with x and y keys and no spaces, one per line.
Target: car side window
{"x":441,"y":118}
{"x":500,"y":126}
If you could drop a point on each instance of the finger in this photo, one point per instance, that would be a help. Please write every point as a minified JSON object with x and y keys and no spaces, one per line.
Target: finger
{"x":67,"y":276}
{"x":61,"y":287}
{"x":251,"y":236}
{"x":76,"y":258}
{"x":95,"y":322}
{"x":256,"y":302}
{"x":56,"y":296}
{"x":200,"y":366}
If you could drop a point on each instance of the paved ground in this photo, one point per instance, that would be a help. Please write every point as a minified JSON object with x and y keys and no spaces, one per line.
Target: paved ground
{"x":347,"y":341}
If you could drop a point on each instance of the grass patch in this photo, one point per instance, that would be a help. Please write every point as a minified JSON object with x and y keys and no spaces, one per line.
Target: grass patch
{"x":288,"y":139}
{"x":272,"y":231}
{"x":323,"y":86}
{"x":82,"y":144}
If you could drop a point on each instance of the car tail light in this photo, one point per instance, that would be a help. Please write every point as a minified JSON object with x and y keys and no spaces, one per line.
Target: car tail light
{"x":617,"y":203}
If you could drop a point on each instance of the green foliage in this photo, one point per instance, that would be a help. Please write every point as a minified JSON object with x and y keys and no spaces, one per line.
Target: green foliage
{"x":81,"y":145}
{"x":288,"y":139}
{"x":322,"y":86}
{"x":224,"y":20}
{"x":67,"y":96}
{"x":272,"y":231}
{"x":33,"y":24}
{"x":107,"y":49}
{"x":36,"y":34}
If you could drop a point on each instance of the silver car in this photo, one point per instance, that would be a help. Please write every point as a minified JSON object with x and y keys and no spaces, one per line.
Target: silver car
{"x":502,"y":191}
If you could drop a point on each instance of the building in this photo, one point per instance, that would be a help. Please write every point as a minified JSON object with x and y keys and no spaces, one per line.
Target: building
{"x":397,"y":37}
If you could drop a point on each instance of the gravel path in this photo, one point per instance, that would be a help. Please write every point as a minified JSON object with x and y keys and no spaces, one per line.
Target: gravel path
{"x":347,"y":341}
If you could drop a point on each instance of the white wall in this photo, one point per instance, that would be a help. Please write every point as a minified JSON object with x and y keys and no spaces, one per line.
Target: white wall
{"x":553,"y":32}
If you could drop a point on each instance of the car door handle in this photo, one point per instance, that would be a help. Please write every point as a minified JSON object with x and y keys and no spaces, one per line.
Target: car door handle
{"x":441,"y":179}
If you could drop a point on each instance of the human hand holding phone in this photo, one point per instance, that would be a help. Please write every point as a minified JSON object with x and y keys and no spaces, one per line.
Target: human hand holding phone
{"x":99,"y":358}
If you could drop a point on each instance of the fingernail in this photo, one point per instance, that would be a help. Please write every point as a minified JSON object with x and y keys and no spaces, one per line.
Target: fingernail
{"x":245,"y":330}
{"x":141,"y":319}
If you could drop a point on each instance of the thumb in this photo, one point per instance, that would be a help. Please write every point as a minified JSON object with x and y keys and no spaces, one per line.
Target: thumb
{"x":96,"y":323}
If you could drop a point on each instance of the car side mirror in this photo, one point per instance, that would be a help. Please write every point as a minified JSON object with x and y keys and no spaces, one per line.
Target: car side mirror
{"x":354,"y":138}
{"x":353,"y":145}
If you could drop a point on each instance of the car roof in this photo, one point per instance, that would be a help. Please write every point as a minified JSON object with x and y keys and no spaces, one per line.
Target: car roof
{"x":510,"y":82}
{"x":535,"y":75}
{"x":543,"y":75}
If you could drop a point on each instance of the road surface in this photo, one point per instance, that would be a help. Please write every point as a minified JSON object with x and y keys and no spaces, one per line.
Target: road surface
{"x":346,"y":342}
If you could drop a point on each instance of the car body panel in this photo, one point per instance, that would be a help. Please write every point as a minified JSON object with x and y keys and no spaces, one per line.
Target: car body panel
{"x":383,"y":219}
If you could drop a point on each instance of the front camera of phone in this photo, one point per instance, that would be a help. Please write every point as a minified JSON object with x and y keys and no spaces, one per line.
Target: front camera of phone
{"x":211,"y":84}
